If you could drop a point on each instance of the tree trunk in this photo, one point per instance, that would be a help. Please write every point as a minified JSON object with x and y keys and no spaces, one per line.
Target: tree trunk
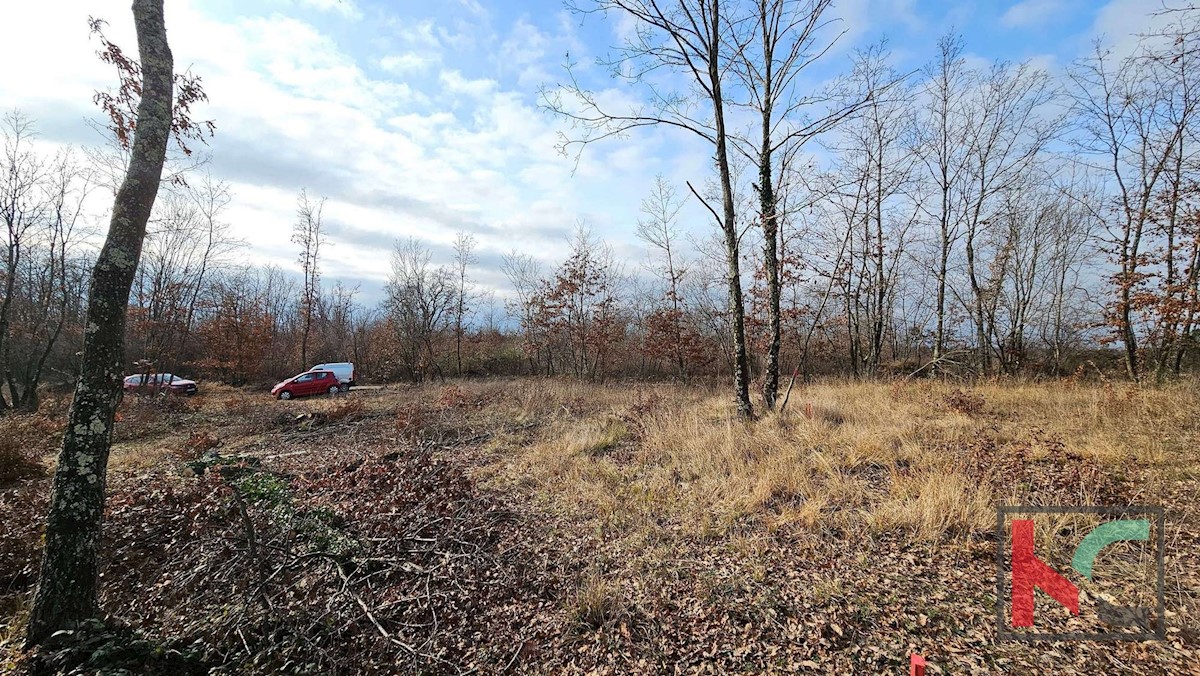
{"x":68,"y":581}
{"x":939,"y":340}
{"x":770,"y":227}
{"x":741,"y":366}
{"x":768,"y":212}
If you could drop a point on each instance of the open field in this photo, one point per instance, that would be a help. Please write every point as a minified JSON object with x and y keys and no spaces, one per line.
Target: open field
{"x":547,"y":526}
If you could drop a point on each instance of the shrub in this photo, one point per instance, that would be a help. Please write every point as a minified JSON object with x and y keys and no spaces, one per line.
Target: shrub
{"x":453,"y":396}
{"x":263,"y":488}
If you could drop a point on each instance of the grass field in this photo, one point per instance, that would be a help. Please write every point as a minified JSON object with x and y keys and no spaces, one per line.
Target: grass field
{"x":548,"y":526}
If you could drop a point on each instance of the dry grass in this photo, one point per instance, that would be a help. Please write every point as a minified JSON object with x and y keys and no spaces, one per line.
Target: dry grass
{"x":597,"y":604}
{"x":24,"y":442}
{"x":916,"y":458}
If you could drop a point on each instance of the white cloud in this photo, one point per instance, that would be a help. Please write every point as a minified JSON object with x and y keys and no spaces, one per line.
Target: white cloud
{"x":1032,"y":13}
{"x":1122,"y":23}
{"x":461,"y":149}
{"x":407,"y":63}
{"x":346,"y":8}
{"x":421,"y":34}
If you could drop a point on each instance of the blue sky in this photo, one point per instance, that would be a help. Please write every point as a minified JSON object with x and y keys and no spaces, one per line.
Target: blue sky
{"x":421,"y":118}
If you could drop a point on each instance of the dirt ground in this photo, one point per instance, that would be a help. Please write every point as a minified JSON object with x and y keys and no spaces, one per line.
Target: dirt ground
{"x":545,"y":526}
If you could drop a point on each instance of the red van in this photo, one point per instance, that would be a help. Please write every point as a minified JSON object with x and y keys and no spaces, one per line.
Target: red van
{"x":309,"y":382}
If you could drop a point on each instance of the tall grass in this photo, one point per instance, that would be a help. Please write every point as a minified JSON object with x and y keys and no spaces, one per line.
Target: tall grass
{"x":926,"y":460}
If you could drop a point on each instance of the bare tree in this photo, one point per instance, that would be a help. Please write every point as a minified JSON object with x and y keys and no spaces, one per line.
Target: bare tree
{"x":186,"y":243}
{"x":69,"y":576}
{"x":699,"y":41}
{"x":1009,"y":126}
{"x":308,"y":233}
{"x":941,"y":147}
{"x":420,"y":304}
{"x":660,"y":230}
{"x":524,"y":273}
{"x":877,"y":169}
{"x":22,"y":207}
{"x":1123,"y":123}
{"x":211,"y":198}
{"x":47,"y":294}
{"x":788,"y":37}
{"x":464,"y":258}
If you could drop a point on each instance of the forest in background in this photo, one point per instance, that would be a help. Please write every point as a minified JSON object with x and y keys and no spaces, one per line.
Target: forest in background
{"x":976,"y":219}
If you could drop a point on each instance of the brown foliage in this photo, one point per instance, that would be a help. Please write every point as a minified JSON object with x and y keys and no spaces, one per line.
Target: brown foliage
{"x":965,"y":402}
{"x":121,"y":106}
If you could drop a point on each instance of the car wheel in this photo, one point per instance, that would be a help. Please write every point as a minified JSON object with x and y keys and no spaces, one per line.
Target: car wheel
{"x":345,"y":387}
{"x":334,"y":389}
{"x":285,"y":395}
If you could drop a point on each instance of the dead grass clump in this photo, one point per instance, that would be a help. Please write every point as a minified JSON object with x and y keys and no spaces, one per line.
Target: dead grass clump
{"x":1120,"y":400}
{"x":346,"y":410}
{"x":935,"y":505}
{"x":174,"y":403}
{"x":20,"y":548}
{"x":453,"y":396}
{"x":420,"y":422}
{"x":965,"y":402}
{"x":821,"y":412}
{"x":150,"y":416}
{"x":24,"y":439}
{"x":197,"y":444}
{"x":238,"y":406}
{"x":599,"y":437}
{"x":1035,"y":467}
{"x":411,"y":419}
{"x":16,"y":462}
{"x":644,"y":408}
{"x":598,"y":604}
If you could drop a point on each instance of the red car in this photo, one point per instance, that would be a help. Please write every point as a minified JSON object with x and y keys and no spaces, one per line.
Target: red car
{"x":159,"y":382}
{"x":309,"y":382}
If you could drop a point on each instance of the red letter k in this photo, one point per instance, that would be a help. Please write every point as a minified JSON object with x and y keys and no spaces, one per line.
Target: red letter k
{"x":1028,"y":571}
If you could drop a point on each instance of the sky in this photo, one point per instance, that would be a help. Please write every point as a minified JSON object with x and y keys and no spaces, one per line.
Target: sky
{"x":422,"y":119}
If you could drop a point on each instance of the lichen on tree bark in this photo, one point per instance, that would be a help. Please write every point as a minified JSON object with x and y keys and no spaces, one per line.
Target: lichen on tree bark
{"x":68,"y":581}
